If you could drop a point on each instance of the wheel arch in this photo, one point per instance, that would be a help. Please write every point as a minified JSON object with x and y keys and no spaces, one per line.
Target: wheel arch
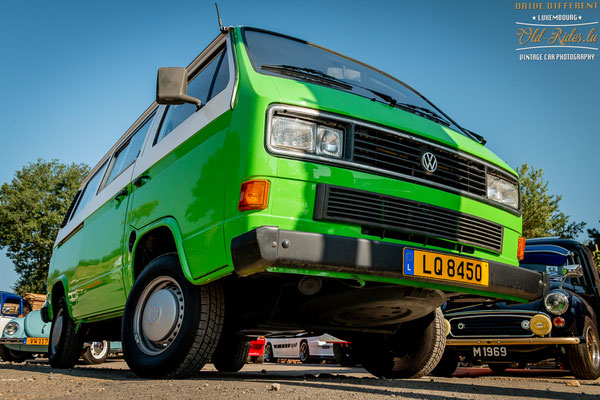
{"x":59,"y":289}
{"x":158,"y":238}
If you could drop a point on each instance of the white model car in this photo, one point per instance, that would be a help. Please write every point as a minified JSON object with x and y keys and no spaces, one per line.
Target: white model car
{"x":306,"y":348}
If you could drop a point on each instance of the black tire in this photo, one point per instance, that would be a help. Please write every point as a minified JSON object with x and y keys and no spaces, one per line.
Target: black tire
{"x":231,"y":354}
{"x":447,"y":365}
{"x":498,"y":367}
{"x":10,"y":355}
{"x":304,"y":352}
{"x":65,"y":343}
{"x":96,"y":352}
{"x":269,"y":355}
{"x":412,"y":353}
{"x":344,"y":355}
{"x":584,"y":358}
{"x":170,"y":327}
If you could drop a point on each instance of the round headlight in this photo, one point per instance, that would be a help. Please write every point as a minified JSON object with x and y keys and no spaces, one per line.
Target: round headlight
{"x":11,"y":328}
{"x":556,"y":303}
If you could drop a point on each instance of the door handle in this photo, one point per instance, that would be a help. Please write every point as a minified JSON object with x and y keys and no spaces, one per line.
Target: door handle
{"x":141,"y":180}
{"x":122,"y":193}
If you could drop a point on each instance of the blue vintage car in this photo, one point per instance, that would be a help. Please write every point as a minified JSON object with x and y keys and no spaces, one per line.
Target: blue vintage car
{"x":562,"y":327}
{"x":11,"y":306}
{"x":25,"y":337}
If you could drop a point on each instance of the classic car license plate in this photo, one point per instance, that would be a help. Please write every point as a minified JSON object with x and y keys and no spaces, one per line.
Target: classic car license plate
{"x":490,"y":352}
{"x":444,"y":267}
{"x":37,"y":341}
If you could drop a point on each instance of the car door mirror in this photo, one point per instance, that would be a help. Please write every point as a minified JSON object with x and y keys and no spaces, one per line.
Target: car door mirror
{"x":572,"y":271}
{"x":171,"y":87}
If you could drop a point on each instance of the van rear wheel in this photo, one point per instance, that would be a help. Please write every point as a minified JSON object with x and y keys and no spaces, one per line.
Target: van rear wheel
{"x":170,"y":327}
{"x":411,"y":353}
{"x":231,"y":353}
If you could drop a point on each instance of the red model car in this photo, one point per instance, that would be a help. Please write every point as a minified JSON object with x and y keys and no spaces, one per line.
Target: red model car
{"x":257,"y":349}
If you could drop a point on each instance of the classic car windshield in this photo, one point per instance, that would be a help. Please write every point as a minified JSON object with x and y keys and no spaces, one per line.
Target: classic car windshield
{"x":278,"y":55}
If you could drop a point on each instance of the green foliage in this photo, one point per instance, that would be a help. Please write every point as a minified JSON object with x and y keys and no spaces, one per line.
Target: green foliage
{"x":597,"y":259}
{"x":32,"y":207}
{"x":594,"y":235}
{"x":541,"y":214}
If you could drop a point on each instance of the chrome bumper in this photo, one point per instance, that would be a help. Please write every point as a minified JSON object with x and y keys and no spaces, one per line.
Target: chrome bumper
{"x":11,"y":341}
{"x":513,"y":341}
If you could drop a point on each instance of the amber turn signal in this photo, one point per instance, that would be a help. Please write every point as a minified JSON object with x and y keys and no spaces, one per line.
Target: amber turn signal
{"x":521,"y":249}
{"x":558,"y":322}
{"x":254,"y":195}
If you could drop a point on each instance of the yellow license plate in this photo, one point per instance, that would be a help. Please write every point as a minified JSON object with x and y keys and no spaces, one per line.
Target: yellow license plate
{"x":444,"y":267}
{"x":37,"y":341}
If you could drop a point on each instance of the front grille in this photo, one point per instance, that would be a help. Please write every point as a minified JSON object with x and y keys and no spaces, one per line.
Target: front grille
{"x":489,"y":325}
{"x":402,"y":155}
{"x":380,"y":211}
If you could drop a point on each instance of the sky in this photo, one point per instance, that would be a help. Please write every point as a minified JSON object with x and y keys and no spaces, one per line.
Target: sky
{"x":74,"y":75}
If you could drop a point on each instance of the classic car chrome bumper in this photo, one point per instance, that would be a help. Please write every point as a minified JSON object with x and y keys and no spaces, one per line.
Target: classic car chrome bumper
{"x":11,"y":340}
{"x":513,"y":341}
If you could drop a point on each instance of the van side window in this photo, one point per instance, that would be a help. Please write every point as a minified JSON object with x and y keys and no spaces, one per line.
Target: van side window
{"x":209,"y":82}
{"x":129,"y":152}
{"x":90,"y":190}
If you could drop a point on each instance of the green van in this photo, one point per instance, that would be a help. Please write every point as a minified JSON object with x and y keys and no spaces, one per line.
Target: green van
{"x":279,"y":187}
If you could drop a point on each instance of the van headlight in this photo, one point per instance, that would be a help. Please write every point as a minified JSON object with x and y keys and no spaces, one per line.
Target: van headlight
{"x":11,"y":328}
{"x":299,"y":136}
{"x":502,"y":191}
{"x":556,"y":303}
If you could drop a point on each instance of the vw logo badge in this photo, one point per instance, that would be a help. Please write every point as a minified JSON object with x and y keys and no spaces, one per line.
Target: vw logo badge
{"x":429,"y":162}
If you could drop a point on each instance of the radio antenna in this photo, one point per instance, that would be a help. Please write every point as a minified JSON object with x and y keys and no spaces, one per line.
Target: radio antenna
{"x":219,"y":16}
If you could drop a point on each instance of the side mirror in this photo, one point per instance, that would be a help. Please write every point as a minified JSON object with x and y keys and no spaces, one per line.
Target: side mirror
{"x":171,"y":87}
{"x":572,"y":271}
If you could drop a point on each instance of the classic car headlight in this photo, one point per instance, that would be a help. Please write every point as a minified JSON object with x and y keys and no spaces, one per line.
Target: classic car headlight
{"x":502,"y":191}
{"x":556,"y":303}
{"x":290,"y":134}
{"x":11,"y":328}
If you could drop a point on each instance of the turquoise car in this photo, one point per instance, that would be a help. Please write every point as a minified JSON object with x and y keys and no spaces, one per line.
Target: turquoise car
{"x":26,"y":337}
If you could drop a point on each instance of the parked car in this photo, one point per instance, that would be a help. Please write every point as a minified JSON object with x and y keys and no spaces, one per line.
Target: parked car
{"x":563,"y":326}
{"x":303,"y":347}
{"x":11,"y":306}
{"x":278,"y":186}
{"x":28,"y":337}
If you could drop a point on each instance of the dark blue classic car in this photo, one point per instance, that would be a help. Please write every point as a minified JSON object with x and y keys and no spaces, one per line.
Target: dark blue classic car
{"x":563,"y":326}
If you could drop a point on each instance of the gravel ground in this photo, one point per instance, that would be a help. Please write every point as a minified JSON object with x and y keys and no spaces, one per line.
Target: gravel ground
{"x":36,"y":380}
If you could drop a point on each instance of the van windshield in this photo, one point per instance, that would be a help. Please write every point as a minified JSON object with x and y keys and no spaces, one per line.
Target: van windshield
{"x":272,"y":54}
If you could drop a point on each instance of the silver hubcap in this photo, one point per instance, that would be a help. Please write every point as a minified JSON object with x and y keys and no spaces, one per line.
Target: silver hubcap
{"x":303,"y":352}
{"x":593,"y":348}
{"x":158,"y":315}
{"x":98,"y":349}
{"x":56,"y":330}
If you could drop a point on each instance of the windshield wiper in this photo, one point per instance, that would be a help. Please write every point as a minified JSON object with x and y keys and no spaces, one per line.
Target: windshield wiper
{"x":479,"y":138}
{"x":303,"y":71}
{"x":424,"y":112}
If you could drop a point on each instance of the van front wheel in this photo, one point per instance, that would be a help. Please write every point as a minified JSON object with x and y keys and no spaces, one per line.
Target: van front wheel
{"x":170,"y":327}
{"x":411,"y":353}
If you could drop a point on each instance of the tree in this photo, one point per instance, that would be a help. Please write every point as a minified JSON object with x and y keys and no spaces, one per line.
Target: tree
{"x":541,"y":213}
{"x":594,"y":235}
{"x":32,"y":207}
